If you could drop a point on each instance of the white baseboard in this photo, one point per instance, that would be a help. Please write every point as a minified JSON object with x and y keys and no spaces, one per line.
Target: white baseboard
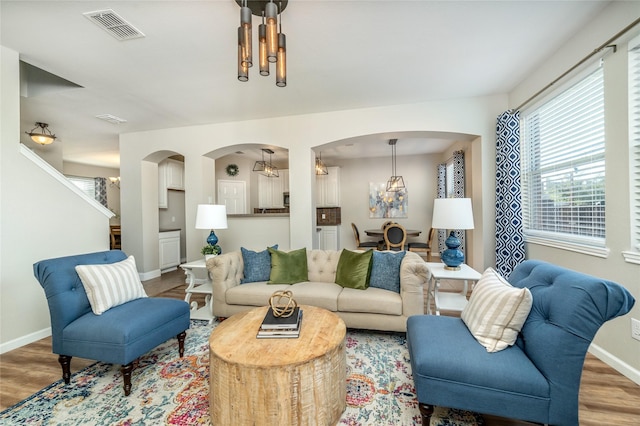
{"x":144,"y":276}
{"x":25,"y":340}
{"x":615,"y":363}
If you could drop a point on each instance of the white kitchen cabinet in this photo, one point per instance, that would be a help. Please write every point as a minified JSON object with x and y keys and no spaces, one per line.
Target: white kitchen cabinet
{"x":270,"y":191}
{"x":170,"y":176}
{"x":175,"y":174}
{"x":328,"y":188}
{"x":169,"y":246}
{"x":329,"y":237}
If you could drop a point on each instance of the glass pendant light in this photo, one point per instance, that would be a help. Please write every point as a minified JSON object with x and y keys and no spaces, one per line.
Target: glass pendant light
{"x":395,"y":182}
{"x":281,"y":65}
{"x":243,"y":69}
{"x":262,"y":48}
{"x":271,"y":13}
{"x":245,"y":41}
{"x":44,"y":136}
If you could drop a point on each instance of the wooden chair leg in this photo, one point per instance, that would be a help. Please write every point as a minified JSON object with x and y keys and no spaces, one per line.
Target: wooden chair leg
{"x":126,"y":377}
{"x":65,"y":363}
{"x":181,"y":338}
{"x":425,"y":411}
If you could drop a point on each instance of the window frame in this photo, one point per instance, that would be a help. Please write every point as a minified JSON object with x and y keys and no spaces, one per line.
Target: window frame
{"x":591,"y":245}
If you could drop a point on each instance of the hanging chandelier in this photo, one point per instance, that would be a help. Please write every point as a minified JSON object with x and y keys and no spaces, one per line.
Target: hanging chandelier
{"x":272,"y":43}
{"x":266,"y":167}
{"x":395,"y":182}
{"x":321,"y":168}
{"x":44,"y":136}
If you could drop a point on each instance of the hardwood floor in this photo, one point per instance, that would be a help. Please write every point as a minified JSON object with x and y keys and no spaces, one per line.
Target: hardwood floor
{"x":606,"y":397}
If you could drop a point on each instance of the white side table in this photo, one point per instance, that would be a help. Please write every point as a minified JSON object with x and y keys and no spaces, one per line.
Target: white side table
{"x":448,"y":301}
{"x":201,"y":286}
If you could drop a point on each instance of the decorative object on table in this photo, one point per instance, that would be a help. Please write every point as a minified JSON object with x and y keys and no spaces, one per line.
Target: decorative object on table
{"x":266,"y":167}
{"x":272,"y":42}
{"x":395,"y":182}
{"x":282,"y":303}
{"x":232,"y":170}
{"x":210,"y":251}
{"x":211,"y":216}
{"x":42,"y":137}
{"x":275,"y":327}
{"x":452,"y":214}
{"x":383,"y":204}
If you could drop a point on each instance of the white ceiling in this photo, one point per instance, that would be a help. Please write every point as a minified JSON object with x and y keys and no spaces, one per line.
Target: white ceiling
{"x":340,"y":55}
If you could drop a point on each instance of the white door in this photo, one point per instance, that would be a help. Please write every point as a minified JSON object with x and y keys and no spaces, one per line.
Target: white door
{"x":232,"y":193}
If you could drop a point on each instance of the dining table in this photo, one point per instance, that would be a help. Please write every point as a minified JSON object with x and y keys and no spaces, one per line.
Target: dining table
{"x":378,"y":232}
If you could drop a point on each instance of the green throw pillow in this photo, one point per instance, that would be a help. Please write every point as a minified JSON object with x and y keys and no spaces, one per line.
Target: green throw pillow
{"x":288,"y":267}
{"x":354,"y":269}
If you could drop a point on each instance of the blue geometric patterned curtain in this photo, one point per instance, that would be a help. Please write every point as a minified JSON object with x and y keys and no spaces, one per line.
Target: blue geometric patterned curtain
{"x":457,"y":192}
{"x":509,"y":234}
{"x":101,"y":190}
{"x":442,"y":193}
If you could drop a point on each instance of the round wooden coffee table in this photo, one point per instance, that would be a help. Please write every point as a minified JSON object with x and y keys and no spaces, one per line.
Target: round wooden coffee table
{"x":299,"y":381}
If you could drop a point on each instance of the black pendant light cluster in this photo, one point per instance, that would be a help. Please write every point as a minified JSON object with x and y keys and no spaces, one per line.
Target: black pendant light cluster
{"x":272,"y":43}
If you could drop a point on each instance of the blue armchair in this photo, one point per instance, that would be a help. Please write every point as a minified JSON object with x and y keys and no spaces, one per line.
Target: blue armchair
{"x":538,"y":378}
{"x":118,"y":336}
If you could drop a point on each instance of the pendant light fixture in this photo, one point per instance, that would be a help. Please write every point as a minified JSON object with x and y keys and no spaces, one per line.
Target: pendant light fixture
{"x":266,"y":168}
{"x":395,"y":182}
{"x":271,"y":40}
{"x":44,"y":136}
{"x":321,"y":168}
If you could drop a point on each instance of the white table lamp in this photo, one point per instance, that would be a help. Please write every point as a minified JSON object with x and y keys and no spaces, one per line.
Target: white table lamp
{"x":452,"y":214}
{"x":211,"y":216}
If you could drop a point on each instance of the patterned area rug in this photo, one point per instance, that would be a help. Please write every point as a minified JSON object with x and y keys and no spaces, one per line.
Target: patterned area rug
{"x":175,"y":391}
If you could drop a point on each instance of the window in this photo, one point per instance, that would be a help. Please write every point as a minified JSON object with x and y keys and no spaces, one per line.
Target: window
{"x":86,"y":185}
{"x":563,"y":171}
{"x":634,"y":139}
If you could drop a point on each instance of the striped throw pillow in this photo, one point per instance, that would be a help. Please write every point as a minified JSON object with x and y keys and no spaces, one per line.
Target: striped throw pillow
{"x":111,"y":284}
{"x":496,"y":311}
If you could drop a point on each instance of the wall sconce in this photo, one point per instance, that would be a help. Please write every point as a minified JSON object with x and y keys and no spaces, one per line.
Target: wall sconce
{"x":115,"y":181}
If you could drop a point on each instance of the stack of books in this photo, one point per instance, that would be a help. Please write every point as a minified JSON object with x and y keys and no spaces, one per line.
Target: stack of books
{"x":273,"y":327}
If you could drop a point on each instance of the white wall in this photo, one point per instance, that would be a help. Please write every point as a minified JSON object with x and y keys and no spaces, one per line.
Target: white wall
{"x":613,"y":343}
{"x":39,"y":219}
{"x":113,"y":192}
{"x":475,"y":116}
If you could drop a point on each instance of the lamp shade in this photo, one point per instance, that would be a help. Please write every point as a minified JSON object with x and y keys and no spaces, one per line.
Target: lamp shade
{"x":452,"y":213}
{"x":211,"y":216}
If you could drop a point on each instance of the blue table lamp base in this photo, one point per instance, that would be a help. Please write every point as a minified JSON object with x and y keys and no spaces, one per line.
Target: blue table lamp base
{"x":452,"y":257}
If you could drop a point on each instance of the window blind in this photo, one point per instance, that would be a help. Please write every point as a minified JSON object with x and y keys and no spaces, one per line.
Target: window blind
{"x":85,"y":184}
{"x":634,"y":138}
{"x":563,"y":171}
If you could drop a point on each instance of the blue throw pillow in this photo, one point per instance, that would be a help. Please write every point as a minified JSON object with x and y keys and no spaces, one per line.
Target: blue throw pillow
{"x":385,"y":272}
{"x":257,"y":265}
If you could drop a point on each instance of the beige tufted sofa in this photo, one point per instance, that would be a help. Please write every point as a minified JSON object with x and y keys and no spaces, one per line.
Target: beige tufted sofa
{"x":373,"y":308}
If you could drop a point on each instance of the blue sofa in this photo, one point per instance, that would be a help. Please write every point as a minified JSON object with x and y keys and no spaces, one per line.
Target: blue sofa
{"x":538,"y":378}
{"x":118,"y":336}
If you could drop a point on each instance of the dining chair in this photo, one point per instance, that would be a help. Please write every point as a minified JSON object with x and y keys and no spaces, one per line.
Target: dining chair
{"x":420,"y":247}
{"x":362,"y":244}
{"x":115,"y":235}
{"x":395,"y":237}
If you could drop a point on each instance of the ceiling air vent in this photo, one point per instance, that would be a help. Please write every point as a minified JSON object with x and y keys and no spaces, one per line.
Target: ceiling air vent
{"x":114,"y":24}
{"x":111,"y":118}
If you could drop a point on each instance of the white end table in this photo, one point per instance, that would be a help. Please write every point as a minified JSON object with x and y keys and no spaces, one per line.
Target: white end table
{"x":201,"y":286}
{"x":448,"y":301}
